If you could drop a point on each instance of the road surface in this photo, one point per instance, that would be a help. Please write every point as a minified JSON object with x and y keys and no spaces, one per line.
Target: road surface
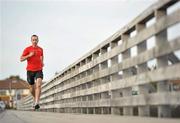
{"x":10,"y":116}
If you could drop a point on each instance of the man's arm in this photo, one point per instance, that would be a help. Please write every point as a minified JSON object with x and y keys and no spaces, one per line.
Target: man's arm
{"x":42,"y":60}
{"x":23,"y":58}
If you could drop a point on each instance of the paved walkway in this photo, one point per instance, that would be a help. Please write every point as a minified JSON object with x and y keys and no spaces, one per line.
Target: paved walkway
{"x":10,"y":116}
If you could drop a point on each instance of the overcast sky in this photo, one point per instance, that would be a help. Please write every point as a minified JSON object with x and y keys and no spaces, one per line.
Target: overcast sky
{"x":67,"y":29}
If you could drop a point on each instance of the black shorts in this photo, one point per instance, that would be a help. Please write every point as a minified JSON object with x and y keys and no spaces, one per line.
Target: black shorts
{"x":33,"y":75}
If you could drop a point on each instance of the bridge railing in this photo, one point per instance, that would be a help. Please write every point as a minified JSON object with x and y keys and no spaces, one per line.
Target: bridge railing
{"x":117,"y":76}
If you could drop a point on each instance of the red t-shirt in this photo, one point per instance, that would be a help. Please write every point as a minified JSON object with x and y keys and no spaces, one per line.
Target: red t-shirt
{"x":34,"y":63}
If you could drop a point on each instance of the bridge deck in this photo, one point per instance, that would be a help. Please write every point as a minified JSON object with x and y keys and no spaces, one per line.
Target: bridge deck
{"x":44,"y":117}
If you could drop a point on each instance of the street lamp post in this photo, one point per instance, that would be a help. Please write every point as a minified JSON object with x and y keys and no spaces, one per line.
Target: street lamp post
{"x":10,"y":93}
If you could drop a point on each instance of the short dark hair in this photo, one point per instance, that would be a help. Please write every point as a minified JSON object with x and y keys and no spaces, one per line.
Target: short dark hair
{"x":34,"y":36}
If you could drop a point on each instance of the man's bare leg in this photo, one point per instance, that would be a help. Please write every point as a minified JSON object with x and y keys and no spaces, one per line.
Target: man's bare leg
{"x":32,"y":90}
{"x":38,"y":90}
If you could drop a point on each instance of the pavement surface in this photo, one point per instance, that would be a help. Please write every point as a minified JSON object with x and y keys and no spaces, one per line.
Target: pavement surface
{"x":10,"y":116}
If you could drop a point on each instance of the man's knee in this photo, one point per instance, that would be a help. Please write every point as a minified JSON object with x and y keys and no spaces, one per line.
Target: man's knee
{"x":39,"y":80}
{"x":38,"y":83}
{"x":38,"y":86}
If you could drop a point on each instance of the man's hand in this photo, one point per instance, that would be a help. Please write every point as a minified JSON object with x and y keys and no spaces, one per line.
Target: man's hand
{"x":23,"y":58}
{"x":31,"y":54}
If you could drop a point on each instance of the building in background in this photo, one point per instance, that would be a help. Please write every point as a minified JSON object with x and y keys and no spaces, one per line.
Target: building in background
{"x":13,"y":89}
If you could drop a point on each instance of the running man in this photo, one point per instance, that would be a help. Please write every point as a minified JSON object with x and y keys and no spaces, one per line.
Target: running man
{"x":34,"y":56}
